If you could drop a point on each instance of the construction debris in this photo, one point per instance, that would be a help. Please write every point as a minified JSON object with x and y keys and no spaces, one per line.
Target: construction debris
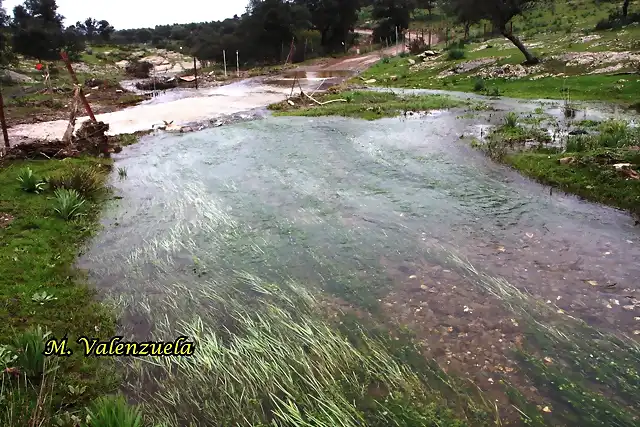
{"x":89,"y":139}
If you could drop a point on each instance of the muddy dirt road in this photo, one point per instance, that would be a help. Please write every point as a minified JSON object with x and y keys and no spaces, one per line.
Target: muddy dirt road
{"x":186,"y":106}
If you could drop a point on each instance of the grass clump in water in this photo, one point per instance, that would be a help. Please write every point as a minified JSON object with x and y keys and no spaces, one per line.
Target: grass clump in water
{"x":367,"y":105}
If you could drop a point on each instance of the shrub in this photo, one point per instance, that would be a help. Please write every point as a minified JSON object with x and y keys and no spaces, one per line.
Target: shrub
{"x":68,"y":203}
{"x":114,"y":411}
{"x":386,"y":60}
{"x":456,"y":54}
{"x":29,"y":182}
{"x":579,"y":143}
{"x":417,"y":46}
{"x":139,"y":69}
{"x":617,"y":133}
{"x":479,"y":85}
{"x":29,"y":346}
{"x":511,"y":120}
{"x":86,"y":181}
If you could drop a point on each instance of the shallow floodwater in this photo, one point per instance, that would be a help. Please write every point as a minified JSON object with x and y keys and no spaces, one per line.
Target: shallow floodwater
{"x":364,"y":211}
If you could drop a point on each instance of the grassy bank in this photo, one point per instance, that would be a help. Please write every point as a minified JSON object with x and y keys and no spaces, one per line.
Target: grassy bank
{"x":40,"y":291}
{"x":397,"y":73}
{"x":366,"y":105}
{"x":590,"y":176}
{"x":602,"y":166}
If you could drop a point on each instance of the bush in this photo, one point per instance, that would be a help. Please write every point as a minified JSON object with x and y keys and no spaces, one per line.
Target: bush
{"x":511,"y":120}
{"x":29,"y":346}
{"x":479,"y":85}
{"x":29,"y":182}
{"x":114,"y":411}
{"x":68,"y":204}
{"x":456,"y":54}
{"x":417,"y":46}
{"x":86,"y":181}
{"x":139,"y":69}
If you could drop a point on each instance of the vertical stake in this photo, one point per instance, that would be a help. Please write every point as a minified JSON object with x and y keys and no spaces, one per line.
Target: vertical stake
{"x":87,"y":107}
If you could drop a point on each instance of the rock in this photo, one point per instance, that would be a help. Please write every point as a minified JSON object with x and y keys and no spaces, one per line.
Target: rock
{"x":412,"y":62}
{"x":578,"y":132}
{"x":429,"y":53}
{"x":622,"y":165}
{"x":14,"y":77}
{"x":291,"y":103}
{"x":567,"y":160}
{"x":393,"y":78}
{"x":370,"y":81}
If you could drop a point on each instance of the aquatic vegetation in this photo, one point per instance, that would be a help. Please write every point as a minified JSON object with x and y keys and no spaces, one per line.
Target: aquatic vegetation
{"x":266,"y":355}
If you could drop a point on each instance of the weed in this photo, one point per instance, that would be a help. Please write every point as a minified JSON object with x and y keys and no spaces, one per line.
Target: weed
{"x":69,"y":203}
{"x":29,"y":182}
{"x":7,"y":357}
{"x":29,"y":347}
{"x":122,"y":173}
{"x":455,"y":54}
{"x":87,"y":181}
{"x":113,"y":411}
{"x":42,"y":297}
{"x":479,"y":85}
{"x":511,"y":120}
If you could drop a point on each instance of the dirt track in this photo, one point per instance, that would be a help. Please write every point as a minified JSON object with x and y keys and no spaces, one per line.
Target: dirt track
{"x":197,"y":106}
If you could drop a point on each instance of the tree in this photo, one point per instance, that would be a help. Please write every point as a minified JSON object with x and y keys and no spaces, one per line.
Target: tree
{"x":500,"y":13}
{"x":90,"y":28}
{"x":334,"y":19}
{"x":6,"y":55}
{"x":426,"y":4}
{"x":625,"y":8}
{"x":37,"y":30}
{"x":105,"y":30}
{"x":392,"y":14}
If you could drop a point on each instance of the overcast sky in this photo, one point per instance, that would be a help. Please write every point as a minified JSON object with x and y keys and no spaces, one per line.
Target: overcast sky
{"x":123,"y":14}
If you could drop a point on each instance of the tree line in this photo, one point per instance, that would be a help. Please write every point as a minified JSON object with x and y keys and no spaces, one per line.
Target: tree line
{"x":36,"y":30}
{"x":265,"y":33}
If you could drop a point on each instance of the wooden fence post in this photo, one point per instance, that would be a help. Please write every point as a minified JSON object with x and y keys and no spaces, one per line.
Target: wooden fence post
{"x":3,"y":122}
{"x":87,"y":107}
{"x":195,"y":71}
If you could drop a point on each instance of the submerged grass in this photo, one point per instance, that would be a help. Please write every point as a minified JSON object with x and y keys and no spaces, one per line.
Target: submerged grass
{"x":39,"y":288}
{"x":592,"y":376}
{"x":266,"y":356}
{"x":367,"y":105}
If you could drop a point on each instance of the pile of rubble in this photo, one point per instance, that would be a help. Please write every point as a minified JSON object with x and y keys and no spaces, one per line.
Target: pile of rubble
{"x":465,"y":67}
{"x":166,"y":62}
{"x":598,"y":59}
{"x":509,"y":71}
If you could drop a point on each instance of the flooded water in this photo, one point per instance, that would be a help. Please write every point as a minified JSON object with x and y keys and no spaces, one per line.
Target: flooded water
{"x":365,"y":213}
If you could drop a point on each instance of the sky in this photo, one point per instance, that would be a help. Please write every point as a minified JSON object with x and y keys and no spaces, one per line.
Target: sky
{"x":124,"y":14}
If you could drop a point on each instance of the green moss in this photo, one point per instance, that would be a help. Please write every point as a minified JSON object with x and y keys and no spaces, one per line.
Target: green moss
{"x":37,"y":254}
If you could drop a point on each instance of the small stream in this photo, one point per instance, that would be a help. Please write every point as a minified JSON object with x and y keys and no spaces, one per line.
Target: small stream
{"x":363,"y":211}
